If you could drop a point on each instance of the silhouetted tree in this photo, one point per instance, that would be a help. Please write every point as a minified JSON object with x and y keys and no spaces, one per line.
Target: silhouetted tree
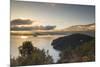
{"x":26,"y":49}
{"x":83,"y":53}
{"x":30,"y":55}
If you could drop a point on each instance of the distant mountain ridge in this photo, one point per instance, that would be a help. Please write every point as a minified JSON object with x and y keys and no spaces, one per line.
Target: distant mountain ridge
{"x":88,"y":27}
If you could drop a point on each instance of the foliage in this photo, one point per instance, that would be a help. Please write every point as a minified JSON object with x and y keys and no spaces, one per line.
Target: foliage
{"x":71,"y":41}
{"x":30,"y":55}
{"x":26,"y":49}
{"x":84,"y":52}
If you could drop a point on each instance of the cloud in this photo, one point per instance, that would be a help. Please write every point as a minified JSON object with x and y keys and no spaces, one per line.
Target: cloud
{"x":21,"y":22}
{"x":43,"y":27}
{"x":21,"y":28}
{"x":26,"y":25}
{"x":32,"y":28}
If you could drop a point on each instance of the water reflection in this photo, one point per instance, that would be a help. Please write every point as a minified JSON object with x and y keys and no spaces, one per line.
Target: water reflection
{"x":41,"y":42}
{"x":23,"y":37}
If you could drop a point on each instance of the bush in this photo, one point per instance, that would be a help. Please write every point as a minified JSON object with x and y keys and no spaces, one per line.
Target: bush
{"x":83,"y":53}
{"x":30,"y":55}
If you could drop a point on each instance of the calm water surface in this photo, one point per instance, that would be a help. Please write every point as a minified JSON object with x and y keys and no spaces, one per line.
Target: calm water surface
{"x":41,"y":42}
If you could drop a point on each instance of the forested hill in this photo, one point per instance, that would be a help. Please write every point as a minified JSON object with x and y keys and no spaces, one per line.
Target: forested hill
{"x":72,"y":41}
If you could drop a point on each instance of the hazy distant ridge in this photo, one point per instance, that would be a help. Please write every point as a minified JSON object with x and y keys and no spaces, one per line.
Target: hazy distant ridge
{"x":88,"y":27}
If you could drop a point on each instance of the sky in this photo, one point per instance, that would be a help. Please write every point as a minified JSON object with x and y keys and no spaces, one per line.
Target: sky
{"x":59,"y":15}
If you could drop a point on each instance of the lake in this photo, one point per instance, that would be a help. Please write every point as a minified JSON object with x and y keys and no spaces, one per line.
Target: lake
{"x":41,"y":42}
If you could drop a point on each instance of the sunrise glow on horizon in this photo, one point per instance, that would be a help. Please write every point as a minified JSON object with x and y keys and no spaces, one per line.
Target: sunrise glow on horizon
{"x":52,"y":14}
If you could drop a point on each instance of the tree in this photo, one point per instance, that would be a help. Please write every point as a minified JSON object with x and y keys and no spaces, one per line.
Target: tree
{"x":30,"y":55}
{"x":26,"y":49}
{"x":83,"y":53}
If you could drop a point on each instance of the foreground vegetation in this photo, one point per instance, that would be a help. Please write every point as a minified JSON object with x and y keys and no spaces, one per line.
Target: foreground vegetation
{"x":82,"y":53}
{"x":30,"y":55}
{"x":73,"y":48}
